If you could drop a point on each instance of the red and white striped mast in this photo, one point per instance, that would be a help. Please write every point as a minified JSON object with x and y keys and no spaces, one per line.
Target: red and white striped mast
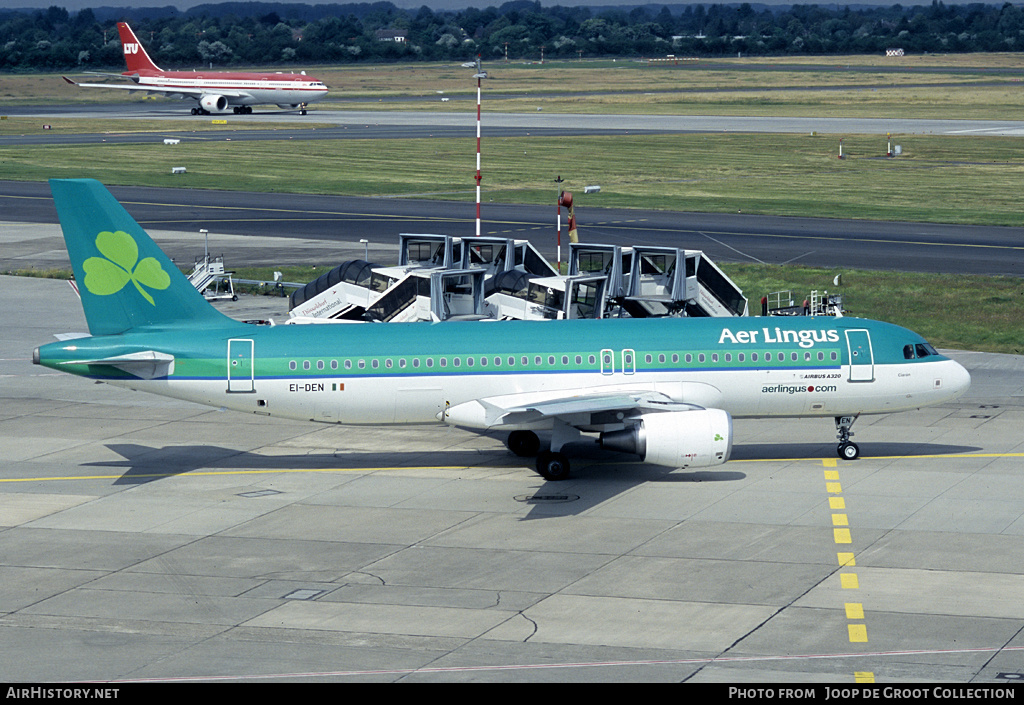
{"x":480,"y":74}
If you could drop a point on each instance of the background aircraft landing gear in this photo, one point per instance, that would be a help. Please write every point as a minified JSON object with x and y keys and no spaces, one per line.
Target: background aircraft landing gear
{"x":523,"y":443}
{"x":848,"y":450}
{"x":553,"y":466}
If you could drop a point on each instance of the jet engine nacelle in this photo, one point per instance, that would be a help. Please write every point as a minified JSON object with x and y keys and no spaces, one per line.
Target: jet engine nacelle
{"x":213,"y":103}
{"x":677,"y":439}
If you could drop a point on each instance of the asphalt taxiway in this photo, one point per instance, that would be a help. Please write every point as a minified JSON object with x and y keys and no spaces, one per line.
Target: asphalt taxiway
{"x":149,"y":539}
{"x":237,"y":221}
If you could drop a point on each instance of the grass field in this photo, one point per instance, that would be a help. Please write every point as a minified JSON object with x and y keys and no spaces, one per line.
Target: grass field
{"x":969,"y":180}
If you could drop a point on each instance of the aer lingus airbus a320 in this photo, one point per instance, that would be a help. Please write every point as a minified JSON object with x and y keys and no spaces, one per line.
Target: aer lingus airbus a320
{"x":215,"y":91}
{"x":664,"y":389}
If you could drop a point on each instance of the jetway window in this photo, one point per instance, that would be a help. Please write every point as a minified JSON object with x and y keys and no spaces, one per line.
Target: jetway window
{"x":600,"y":262}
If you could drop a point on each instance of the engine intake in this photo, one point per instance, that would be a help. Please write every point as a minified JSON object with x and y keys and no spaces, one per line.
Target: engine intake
{"x":213,"y":103}
{"x":676,"y":439}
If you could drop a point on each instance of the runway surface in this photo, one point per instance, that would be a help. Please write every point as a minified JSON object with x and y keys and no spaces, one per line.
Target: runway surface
{"x":150,"y":539}
{"x":422,"y":123}
{"x":330,"y":228}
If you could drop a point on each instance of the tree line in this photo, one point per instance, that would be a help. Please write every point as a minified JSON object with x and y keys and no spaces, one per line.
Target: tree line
{"x":223,"y":35}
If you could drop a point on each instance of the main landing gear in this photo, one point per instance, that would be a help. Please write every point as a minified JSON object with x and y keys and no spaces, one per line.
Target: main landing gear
{"x":848,"y":450}
{"x":551,"y":465}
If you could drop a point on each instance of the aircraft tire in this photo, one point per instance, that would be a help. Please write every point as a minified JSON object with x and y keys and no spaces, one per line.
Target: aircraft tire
{"x":553,"y":466}
{"x":849,"y":451}
{"x":525,"y":444}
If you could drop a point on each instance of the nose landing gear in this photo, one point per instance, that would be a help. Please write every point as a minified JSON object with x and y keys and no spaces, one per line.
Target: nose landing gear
{"x":848,"y":450}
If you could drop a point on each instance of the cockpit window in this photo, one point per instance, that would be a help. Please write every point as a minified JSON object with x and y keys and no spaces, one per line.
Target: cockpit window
{"x":918,"y":350}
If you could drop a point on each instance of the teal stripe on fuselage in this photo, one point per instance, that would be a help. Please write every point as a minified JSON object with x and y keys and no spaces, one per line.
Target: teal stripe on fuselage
{"x":202,"y":354}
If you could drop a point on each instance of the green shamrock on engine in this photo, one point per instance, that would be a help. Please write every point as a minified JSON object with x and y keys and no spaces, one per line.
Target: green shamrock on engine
{"x":119,"y":265}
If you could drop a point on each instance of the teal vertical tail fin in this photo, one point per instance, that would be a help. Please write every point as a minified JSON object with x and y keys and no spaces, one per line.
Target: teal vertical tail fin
{"x":124,"y":279}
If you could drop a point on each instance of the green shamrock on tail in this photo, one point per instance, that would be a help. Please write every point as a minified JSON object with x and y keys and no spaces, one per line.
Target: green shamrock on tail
{"x":119,"y":265}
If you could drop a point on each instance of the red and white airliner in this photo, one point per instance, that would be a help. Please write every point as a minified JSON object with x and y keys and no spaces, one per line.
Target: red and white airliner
{"x":215,"y":91}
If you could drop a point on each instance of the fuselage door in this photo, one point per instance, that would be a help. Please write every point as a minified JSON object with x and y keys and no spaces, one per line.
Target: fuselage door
{"x":862,"y":360}
{"x":240,"y":365}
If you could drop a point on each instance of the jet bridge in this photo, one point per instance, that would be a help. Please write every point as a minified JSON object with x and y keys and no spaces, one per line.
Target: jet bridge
{"x":443,"y":295}
{"x":350,"y":290}
{"x":646,"y":282}
{"x":517,"y":295}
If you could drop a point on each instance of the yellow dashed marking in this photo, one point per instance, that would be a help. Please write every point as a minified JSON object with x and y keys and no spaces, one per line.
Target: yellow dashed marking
{"x":858,"y":633}
{"x":842,"y":536}
{"x":849,"y":581}
{"x":840,"y":520}
{"x":846,"y":559}
{"x":854,"y":610}
{"x":863,"y":677}
{"x":836,"y":503}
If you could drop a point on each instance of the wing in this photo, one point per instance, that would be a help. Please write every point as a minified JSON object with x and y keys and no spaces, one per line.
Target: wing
{"x":176,"y":92}
{"x":585,"y":411}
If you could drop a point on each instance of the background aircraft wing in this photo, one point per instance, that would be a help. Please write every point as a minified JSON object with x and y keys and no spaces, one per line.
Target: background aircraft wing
{"x":176,"y":92}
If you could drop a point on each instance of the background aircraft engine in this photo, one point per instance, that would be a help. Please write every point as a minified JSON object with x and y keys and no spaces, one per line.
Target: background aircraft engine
{"x":213,"y":103}
{"x":677,"y":439}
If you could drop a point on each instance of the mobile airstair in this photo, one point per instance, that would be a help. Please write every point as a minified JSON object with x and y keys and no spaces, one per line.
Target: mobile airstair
{"x":209,"y":272}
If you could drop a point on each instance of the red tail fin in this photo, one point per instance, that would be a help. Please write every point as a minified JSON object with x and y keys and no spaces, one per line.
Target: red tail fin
{"x":134,"y":55}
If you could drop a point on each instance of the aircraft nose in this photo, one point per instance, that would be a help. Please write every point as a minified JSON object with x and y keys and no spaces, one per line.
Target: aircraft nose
{"x":955,"y":380}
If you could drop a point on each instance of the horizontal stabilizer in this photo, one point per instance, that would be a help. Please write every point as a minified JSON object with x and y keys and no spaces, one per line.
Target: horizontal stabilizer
{"x":147,"y":364}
